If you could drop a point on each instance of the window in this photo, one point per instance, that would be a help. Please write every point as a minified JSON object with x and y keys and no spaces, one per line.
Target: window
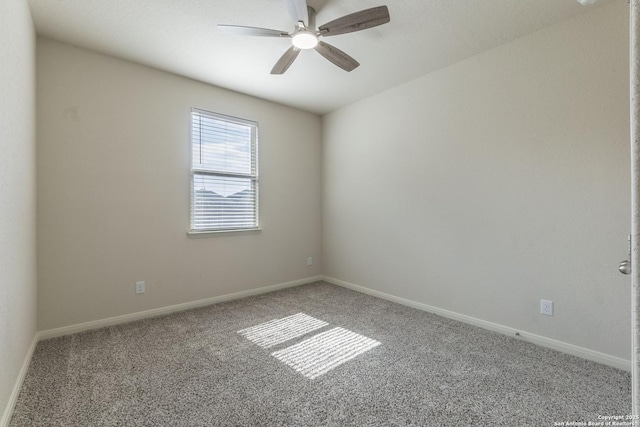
{"x":224,"y":173}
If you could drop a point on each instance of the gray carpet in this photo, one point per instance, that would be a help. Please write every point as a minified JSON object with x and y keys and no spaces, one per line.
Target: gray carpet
{"x":345,"y":359}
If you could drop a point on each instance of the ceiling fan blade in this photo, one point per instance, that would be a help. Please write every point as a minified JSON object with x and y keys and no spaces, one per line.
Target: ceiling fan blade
{"x":285,"y":60}
{"x":251,"y":31}
{"x":337,"y":56}
{"x":357,"y":21}
{"x":298,"y":10}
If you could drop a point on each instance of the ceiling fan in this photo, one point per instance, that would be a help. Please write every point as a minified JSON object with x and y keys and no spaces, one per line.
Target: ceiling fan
{"x":305,"y":36}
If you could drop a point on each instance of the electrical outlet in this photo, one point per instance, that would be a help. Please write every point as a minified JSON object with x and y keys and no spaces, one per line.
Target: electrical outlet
{"x":310,"y":261}
{"x":140,"y":287}
{"x":546,"y":307}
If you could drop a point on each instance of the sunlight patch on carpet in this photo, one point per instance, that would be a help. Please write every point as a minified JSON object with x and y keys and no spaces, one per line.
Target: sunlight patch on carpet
{"x":277,"y":331}
{"x":323,"y":352}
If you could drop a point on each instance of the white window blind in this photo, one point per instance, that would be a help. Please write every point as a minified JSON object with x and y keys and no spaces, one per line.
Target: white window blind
{"x":224,"y":172}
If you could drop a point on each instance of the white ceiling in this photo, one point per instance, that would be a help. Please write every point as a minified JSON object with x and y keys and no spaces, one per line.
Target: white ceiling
{"x":180,"y":36}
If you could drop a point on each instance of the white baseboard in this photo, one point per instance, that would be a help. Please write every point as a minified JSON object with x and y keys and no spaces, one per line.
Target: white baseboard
{"x":564,"y":347}
{"x":13,"y":397}
{"x":96,"y":324}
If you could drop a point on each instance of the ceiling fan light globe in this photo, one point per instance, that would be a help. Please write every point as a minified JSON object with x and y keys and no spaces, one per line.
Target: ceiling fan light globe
{"x":305,"y":40}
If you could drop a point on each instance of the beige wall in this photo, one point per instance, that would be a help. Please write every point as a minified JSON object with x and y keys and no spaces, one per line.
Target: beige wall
{"x":17,"y":193}
{"x":113,"y":191}
{"x":488,"y":185}
{"x":480,"y":188}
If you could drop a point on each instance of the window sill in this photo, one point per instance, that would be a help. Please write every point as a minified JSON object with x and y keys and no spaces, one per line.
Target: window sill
{"x":205,"y":233}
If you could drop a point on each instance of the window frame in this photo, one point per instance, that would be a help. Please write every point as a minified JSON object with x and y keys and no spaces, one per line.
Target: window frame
{"x":195,"y":171}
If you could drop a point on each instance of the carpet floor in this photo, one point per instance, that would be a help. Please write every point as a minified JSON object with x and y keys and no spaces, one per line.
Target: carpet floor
{"x":313,"y":355}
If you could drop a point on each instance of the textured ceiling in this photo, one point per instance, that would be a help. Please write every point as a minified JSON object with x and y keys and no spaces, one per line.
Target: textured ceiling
{"x":180,"y":36}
